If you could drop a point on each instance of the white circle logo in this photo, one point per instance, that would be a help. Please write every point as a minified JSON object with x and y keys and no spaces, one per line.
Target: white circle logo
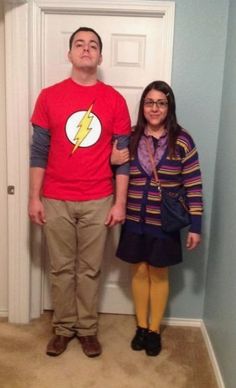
{"x":83,"y":128}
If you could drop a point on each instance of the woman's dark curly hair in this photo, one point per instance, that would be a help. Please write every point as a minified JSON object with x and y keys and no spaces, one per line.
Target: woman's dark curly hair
{"x":171,"y":125}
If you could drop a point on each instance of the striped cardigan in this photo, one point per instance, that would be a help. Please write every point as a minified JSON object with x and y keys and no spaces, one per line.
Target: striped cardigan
{"x":143,"y":202}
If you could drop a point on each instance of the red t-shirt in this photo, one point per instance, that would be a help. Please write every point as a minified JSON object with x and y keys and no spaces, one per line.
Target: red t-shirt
{"x":82,"y":121}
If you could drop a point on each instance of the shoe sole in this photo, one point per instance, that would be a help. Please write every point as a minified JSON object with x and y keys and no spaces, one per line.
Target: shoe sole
{"x":54,"y":354}
{"x":92,"y":355}
{"x":137,"y":349}
{"x":153,"y":354}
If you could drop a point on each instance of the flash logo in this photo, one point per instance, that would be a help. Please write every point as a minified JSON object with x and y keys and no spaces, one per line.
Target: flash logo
{"x":83,"y":129}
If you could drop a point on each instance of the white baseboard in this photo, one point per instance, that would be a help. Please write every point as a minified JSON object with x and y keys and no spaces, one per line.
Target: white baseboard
{"x":3,"y":313}
{"x":182,"y":322}
{"x":212,"y":356}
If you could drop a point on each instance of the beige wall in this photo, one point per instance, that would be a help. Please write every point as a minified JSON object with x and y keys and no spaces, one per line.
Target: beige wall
{"x":3,"y":178}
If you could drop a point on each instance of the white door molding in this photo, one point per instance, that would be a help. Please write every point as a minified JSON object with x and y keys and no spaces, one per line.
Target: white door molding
{"x":17,"y":116}
{"x":24,"y":79}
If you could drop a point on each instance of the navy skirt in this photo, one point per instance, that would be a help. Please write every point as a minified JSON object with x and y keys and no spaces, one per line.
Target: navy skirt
{"x":156,"y":251}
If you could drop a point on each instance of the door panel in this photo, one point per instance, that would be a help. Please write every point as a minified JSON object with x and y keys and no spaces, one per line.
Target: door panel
{"x":133,"y":51}
{"x":133,"y":55}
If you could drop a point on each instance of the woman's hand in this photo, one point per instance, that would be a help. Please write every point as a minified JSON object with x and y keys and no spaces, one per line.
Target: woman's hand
{"x":119,"y":157}
{"x":193,"y":239}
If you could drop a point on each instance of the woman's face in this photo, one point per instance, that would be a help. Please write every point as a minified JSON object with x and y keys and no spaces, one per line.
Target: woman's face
{"x":155,"y":109}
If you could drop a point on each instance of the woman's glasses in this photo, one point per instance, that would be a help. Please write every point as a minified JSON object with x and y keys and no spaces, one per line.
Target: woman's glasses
{"x":161,"y":104}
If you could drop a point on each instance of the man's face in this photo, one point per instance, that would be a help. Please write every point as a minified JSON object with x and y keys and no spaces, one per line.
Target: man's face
{"x":85,"y":51}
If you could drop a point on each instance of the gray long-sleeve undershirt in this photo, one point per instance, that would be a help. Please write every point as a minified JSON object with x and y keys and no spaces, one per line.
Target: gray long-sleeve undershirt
{"x":40,"y":146}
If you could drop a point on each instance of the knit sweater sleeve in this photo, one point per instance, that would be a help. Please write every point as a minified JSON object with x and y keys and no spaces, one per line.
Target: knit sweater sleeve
{"x":192,"y":180}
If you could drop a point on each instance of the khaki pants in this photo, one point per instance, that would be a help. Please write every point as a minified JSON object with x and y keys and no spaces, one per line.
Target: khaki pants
{"x":76,"y":236}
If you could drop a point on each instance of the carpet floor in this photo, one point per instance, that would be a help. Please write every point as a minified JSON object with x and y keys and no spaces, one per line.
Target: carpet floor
{"x":183,"y":362}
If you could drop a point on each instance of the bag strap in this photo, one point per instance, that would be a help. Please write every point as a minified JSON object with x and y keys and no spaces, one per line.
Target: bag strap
{"x":154,"y":170}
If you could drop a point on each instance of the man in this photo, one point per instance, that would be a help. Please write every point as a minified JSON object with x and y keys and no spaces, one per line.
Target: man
{"x":71,"y":187}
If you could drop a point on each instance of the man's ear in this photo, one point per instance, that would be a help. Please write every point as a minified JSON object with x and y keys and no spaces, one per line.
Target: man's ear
{"x":68,"y":56}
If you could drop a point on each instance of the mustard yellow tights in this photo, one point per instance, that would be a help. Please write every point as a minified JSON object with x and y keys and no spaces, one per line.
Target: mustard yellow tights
{"x":150,"y":286}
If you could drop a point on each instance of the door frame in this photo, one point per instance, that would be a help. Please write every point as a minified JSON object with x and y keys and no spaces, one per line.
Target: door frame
{"x":24,"y":55}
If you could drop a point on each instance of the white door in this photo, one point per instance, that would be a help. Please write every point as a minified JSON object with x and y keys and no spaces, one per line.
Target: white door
{"x":134,"y":54}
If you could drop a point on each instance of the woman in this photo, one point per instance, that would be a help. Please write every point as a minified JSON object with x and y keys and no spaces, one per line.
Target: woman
{"x":143,"y":243}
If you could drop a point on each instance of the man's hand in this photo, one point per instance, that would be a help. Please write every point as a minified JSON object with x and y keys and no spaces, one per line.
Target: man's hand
{"x":193,"y":239}
{"x":119,"y":157}
{"x":36,"y":211}
{"x":35,"y":207}
{"x":116,"y":215}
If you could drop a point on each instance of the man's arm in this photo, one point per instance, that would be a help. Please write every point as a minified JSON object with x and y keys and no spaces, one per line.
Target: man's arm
{"x":121,"y":132}
{"x":38,"y":161}
{"x":36,"y":208}
{"x":118,"y":210}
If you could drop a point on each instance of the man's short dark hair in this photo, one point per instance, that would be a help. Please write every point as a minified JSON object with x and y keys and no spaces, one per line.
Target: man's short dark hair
{"x":89,"y":30}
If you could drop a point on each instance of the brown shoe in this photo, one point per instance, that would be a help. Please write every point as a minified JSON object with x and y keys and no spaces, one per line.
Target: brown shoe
{"x":90,"y":345}
{"x":57,"y":345}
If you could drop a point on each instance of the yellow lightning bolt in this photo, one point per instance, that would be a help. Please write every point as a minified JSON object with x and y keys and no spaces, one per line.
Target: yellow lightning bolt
{"x":84,"y":129}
